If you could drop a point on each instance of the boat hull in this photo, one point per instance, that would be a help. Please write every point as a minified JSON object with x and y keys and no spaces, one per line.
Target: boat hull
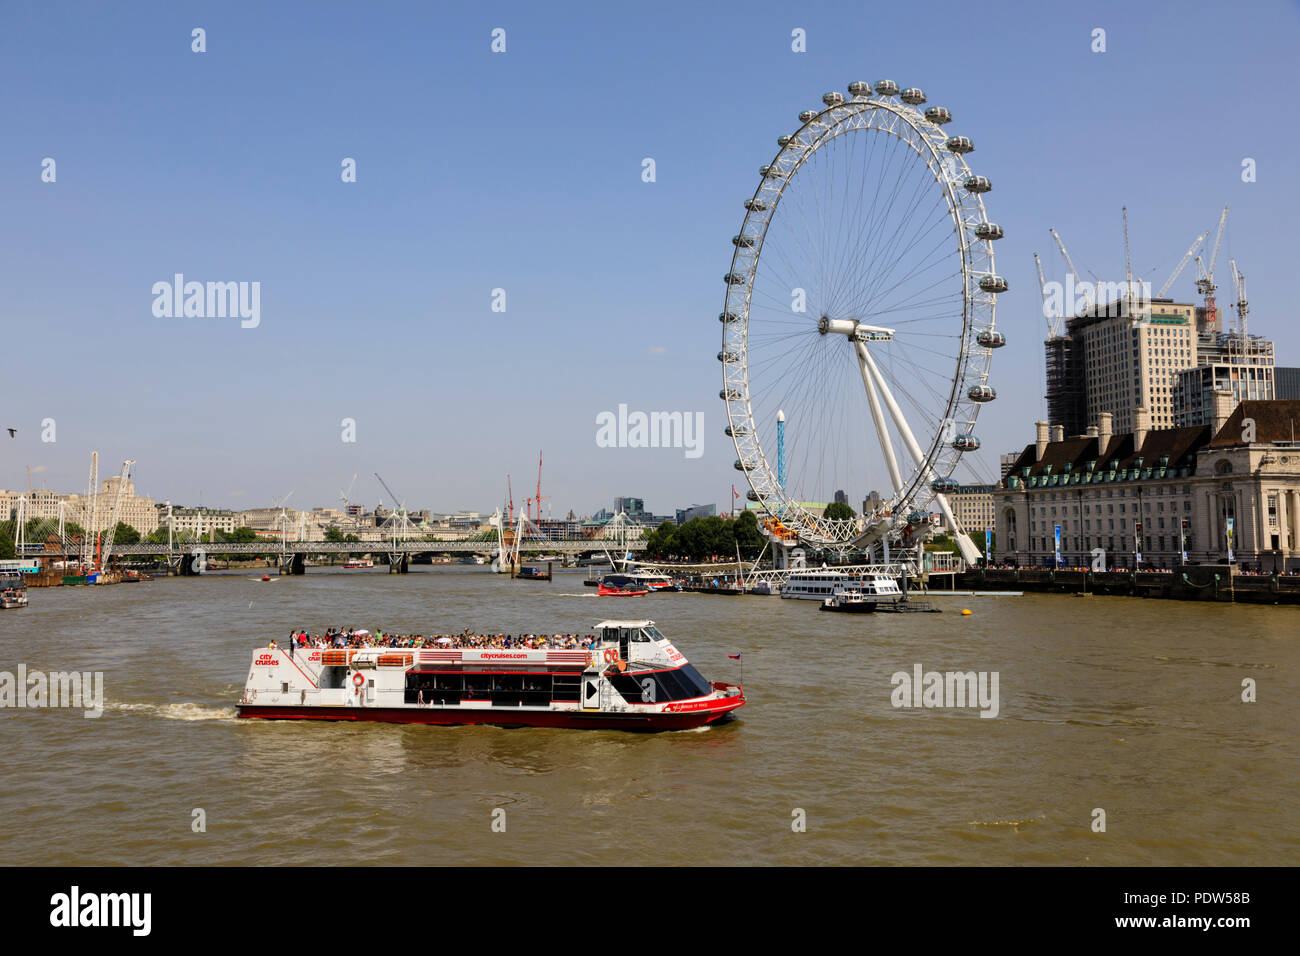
{"x":715,"y":712}
{"x":863,"y":608}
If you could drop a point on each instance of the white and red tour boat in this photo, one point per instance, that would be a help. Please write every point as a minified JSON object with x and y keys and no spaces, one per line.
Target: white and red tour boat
{"x":631,"y":678}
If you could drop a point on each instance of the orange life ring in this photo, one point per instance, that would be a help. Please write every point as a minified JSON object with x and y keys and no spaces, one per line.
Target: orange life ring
{"x":611,"y":655}
{"x":357,"y":680}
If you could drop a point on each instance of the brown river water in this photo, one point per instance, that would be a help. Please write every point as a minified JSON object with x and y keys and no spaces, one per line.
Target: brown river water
{"x":1126,"y":705}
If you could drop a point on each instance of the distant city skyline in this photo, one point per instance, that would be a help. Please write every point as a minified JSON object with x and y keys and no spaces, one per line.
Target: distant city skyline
{"x":375,"y":298}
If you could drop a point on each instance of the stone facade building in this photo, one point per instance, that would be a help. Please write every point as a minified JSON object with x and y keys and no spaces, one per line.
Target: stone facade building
{"x":1152,"y":494}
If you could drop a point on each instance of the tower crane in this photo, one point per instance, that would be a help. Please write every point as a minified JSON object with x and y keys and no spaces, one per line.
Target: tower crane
{"x":1089,"y":296}
{"x":538,"y":499}
{"x":1182,"y":265}
{"x":107,"y":549}
{"x":1205,"y":281}
{"x":397,"y":507}
{"x":1243,"y":307}
{"x":1128,"y":261}
{"x":1053,"y":321}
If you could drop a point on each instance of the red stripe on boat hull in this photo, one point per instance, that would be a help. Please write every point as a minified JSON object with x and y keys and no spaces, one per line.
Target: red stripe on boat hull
{"x":535,"y":718}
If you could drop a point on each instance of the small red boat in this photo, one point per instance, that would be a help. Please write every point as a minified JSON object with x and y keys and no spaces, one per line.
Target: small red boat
{"x":266,"y":577}
{"x":604,"y":591}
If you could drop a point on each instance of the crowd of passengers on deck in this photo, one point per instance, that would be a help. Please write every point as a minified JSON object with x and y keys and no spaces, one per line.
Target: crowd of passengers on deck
{"x":334,"y":638}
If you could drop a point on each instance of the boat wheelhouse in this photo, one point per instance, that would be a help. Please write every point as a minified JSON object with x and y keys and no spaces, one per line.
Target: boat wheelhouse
{"x":359,"y":563}
{"x":630,"y":677}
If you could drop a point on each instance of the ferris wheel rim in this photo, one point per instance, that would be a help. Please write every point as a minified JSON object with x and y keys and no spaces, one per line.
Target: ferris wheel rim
{"x":966,"y":209}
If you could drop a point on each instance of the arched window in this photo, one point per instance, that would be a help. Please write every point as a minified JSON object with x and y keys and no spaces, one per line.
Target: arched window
{"x":1223,"y":467}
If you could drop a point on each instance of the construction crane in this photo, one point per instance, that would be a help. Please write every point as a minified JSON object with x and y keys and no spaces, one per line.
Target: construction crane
{"x":1205,"y":281}
{"x":107,"y":550}
{"x":1128,"y":260}
{"x":91,"y":514}
{"x":1088,"y":295}
{"x":1243,"y":307}
{"x":397,"y":507}
{"x":1182,"y":265}
{"x":538,"y":499}
{"x":510,"y":495}
{"x":346,"y":496}
{"x":1054,"y":320}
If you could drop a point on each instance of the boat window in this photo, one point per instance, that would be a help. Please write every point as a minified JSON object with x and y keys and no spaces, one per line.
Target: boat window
{"x":660,"y":686}
{"x":654,"y":634}
{"x":641,"y":637}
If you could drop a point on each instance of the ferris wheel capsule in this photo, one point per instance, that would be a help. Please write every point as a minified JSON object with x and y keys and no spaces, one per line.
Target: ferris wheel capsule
{"x":859,"y":88}
{"x":807,"y":116}
{"x":912,"y":96}
{"x":751,"y":494}
{"x":993,"y":283}
{"x":966,"y":443}
{"x":991,"y":339}
{"x":943,"y":486}
{"x":739,"y":431}
{"x":886,"y":88}
{"x":833,"y":98}
{"x":938,"y":115}
{"x":728,"y":317}
{"x":755,"y":205}
{"x":918,"y":517}
{"x":988,"y":230}
{"x":770,"y":172}
{"x":734,"y":278}
{"x":728,"y":355}
{"x":959,"y":144}
{"x":783,"y":141}
{"x":981,"y":393}
{"x":743,"y":242}
{"x":976,"y":184}
{"x":729,"y":394}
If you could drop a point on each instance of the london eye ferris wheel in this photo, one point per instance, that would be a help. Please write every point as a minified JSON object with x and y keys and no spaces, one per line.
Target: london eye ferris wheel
{"x":860,"y":309}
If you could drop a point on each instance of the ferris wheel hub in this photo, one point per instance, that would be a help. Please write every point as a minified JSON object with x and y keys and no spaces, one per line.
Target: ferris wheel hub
{"x":853,"y":329}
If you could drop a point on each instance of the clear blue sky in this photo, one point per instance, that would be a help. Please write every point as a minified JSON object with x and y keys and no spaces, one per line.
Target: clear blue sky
{"x":523,"y":171}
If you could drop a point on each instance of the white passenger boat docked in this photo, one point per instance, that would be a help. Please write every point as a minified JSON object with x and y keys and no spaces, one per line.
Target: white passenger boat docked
{"x":632,"y":678}
{"x":875,"y":589}
{"x":822,"y":584}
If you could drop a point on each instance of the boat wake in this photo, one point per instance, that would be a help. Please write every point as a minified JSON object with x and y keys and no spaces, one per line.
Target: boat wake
{"x":180,"y":711}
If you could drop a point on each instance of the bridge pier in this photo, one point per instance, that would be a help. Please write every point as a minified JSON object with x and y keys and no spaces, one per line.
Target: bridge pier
{"x":296,"y":564}
{"x":398,"y":563}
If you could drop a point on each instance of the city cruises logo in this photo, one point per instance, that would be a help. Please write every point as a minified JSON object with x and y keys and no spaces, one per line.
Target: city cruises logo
{"x":208,"y":300}
{"x":32,"y":689}
{"x":928,"y":689}
{"x":624,"y":429}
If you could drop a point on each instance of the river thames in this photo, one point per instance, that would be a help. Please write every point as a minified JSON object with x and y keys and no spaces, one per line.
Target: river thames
{"x":1130,"y":706}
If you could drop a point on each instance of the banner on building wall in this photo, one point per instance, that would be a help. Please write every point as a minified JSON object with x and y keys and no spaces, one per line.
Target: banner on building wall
{"x":1228,"y":531}
{"x":988,"y":544}
{"x":1182,"y":539}
{"x":1059,"y":562}
{"x":1137,"y":541}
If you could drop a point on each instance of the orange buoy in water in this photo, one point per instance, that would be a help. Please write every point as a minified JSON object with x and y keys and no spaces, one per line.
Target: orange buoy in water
{"x":965,"y":611}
